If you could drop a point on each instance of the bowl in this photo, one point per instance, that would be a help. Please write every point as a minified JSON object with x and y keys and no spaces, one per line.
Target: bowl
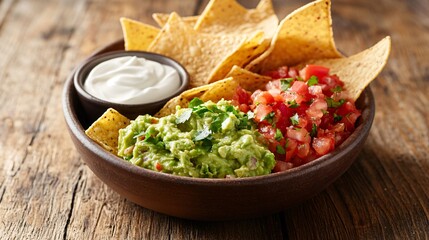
{"x":214,"y":199}
{"x":95,"y":107}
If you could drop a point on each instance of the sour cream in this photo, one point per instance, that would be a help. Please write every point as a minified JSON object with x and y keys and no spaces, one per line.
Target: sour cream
{"x":132,"y":80}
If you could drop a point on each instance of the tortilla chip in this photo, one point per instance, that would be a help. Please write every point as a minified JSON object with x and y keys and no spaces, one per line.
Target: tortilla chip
{"x":198,"y":53}
{"x":304,"y":34}
{"x":221,"y":89}
{"x":162,"y":19}
{"x":182,"y":100}
{"x":105,"y":131}
{"x":248,"y":80}
{"x":229,"y":17}
{"x":250,"y":49}
{"x":137,"y":35}
{"x":359,"y":70}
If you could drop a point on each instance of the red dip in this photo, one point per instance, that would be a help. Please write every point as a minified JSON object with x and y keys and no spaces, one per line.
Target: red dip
{"x":302,"y":115}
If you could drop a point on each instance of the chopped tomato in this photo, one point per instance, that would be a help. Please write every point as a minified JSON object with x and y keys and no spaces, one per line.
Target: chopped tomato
{"x":281,"y":72}
{"x":349,"y":114}
{"x":158,"y":166}
{"x":290,"y":149}
{"x":300,"y":88}
{"x":241,"y":96}
{"x":314,"y":70}
{"x":275,"y":84}
{"x":268,"y":131}
{"x":283,"y":115}
{"x":329,"y":83}
{"x":323,"y":145}
{"x":317,"y":109}
{"x":282,"y":166}
{"x":262,"y":112}
{"x":300,"y":117}
{"x":303,"y":149}
{"x":244,"y":107}
{"x":263,"y":97}
{"x":299,"y":134}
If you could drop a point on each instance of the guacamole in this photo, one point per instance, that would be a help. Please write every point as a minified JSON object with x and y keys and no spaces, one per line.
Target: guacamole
{"x":207,"y":140}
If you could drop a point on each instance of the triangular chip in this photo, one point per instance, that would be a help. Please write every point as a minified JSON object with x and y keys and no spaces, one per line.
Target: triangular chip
{"x":229,"y":17}
{"x":223,"y":89}
{"x":199,"y":53}
{"x":105,"y":131}
{"x":304,"y":34}
{"x":162,"y":19}
{"x":182,"y":100}
{"x":359,"y":70}
{"x":137,"y":35}
{"x":248,"y":80}
{"x":250,"y":49}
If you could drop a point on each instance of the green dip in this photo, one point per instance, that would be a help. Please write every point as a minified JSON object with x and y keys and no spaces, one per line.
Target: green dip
{"x":206,"y":140}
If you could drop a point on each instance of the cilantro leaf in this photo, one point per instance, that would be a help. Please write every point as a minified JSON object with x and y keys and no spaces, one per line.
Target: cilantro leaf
{"x":285,"y":83}
{"x":231,"y":109}
{"x":334,"y":104}
{"x":337,"y":117}
{"x":309,"y":102}
{"x":140,"y":134}
{"x":312,"y":81}
{"x":313,"y":132}
{"x":280,"y":149}
{"x":200,"y":111}
{"x":151,"y":140}
{"x":195,"y":102}
{"x":216,"y":125}
{"x":295,"y":119}
{"x":214,"y":109}
{"x":293,"y":104}
{"x":206,"y":144}
{"x":337,"y":89}
{"x":184,"y":116}
{"x":244,"y":124}
{"x":202,"y":134}
{"x":160,"y":144}
{"x":279,"y":134}
{"x":269,"y":117}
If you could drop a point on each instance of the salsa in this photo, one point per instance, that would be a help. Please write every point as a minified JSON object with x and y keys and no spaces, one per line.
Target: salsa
{"x":302,"y":114}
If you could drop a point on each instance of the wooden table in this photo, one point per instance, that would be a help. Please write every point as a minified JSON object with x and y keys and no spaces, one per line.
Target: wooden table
{"x":47,"y":192}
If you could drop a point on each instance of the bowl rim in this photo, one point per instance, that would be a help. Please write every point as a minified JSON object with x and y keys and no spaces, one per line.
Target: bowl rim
{"x":85,"y":67}
{"x":355,"y":139}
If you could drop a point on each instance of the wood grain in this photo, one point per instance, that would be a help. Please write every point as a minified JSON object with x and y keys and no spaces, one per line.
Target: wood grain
{"x":47,"y":192}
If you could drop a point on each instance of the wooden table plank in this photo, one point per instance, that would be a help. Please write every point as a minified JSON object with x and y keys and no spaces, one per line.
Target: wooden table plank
{"x":35,"y":186}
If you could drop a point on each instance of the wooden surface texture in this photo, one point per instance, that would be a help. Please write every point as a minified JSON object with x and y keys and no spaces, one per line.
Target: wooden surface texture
{"x":47,"y":191}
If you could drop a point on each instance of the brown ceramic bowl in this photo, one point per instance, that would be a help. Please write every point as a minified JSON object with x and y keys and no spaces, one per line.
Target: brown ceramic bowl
{"x":214,"y":199}
{"x":95,"y":107}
